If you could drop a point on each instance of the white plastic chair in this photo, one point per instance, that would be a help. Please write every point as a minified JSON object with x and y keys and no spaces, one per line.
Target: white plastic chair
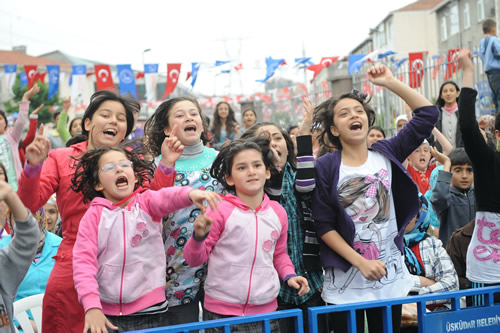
{"x":33,"y":304}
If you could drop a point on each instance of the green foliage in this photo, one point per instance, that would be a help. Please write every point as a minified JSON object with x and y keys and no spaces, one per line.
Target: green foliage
{"x":45,"y":115}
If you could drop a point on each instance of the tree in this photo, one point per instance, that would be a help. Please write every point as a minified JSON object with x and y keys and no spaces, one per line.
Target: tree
{"x":45,"y":115}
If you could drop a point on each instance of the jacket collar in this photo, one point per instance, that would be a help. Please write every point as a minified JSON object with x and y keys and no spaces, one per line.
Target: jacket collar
{"x":99,"y":201}
{"x":240,"y":204}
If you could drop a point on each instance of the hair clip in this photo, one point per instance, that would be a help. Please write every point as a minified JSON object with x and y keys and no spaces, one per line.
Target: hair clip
{"x":364,"y":97}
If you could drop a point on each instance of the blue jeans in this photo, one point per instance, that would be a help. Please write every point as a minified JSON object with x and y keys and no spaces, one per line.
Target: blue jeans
{"x":494,"y":81}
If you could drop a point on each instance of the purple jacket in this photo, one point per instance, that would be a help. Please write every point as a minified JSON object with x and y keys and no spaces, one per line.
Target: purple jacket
{"x":327,"y":210}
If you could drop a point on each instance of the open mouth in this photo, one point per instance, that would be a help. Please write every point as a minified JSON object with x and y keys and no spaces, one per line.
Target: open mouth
{"x":356,"y":126}
{"x":111,"y":132}
{"x":121,"y":182}
{"x":190,"y":129}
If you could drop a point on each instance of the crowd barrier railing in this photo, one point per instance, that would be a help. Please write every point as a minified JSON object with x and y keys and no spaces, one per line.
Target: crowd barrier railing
{"x":468,"y":319}
{"x":484,"y":318}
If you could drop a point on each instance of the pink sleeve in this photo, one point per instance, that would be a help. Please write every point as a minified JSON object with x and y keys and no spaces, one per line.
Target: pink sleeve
{"x":85,"y":264}
{"x":22,"y":118}
{"x":163,"y":177}
{"x":35,"y":189}
{"x":167,"y":200}
{"x":282,"y":261}
{"x":197,"y":252}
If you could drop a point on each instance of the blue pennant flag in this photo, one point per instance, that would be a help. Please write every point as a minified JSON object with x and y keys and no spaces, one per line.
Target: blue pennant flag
{"x":10,"y":69}
{"x":221,"y":62}
{"x":304,"y":61}
{"x":194,"y":72}
{"x":398,"y":64}
{"x":53,"y":71}
{"x":272,"y":65}
{"x":127,"y":80}
{"x":355,"y":63}
{"x":24,"y":79}
{"x":77,"y":70}
{"x":386,"y":54}
{"x":150,"y":68}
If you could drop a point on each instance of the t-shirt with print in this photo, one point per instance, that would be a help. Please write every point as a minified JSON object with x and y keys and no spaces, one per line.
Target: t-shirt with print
{"x":483,"y":253}
{"x":365,"y":193}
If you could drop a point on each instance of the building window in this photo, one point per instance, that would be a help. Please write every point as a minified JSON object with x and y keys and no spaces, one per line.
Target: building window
{"x":454,"y":28}
{"x":381,"y":34}
{"x":444,"y":30}
{"x":466,"y":16}
{"x":480,"y":10}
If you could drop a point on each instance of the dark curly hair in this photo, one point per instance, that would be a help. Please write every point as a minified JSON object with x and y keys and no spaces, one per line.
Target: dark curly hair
{"x":87,"y":171}
{"x":156,"y":124}
{"x":324,"y":113}
{"x":223,"y":163}
{"x":217,"y":122}
{"x":253,"y":132}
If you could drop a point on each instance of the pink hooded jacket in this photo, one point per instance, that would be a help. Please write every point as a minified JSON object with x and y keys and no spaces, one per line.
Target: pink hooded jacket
{"x":119,"y":261}
{"x":247,"y":252}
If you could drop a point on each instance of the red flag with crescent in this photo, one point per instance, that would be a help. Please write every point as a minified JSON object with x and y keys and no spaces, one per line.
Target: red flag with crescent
{"x":416,"y":68}
{"x":327,"y":61}
{"x":173,"y":72}
{"x":316,"y":69}
{"x":30,"y":74}
{"x":104,"y":80}
{"x":452,"y":63}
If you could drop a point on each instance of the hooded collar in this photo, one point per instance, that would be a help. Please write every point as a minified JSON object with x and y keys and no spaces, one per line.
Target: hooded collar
{"x":240,"y":204}
{"x":100,"y":201}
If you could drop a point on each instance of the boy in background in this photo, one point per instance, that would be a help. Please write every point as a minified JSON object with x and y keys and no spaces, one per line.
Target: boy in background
{"x":453,"y":198}
{"x":489,"y":51}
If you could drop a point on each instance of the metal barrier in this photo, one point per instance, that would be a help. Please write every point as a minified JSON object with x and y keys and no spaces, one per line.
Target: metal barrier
{"x":471,"y":319}
{"x":468,"y":319}
{"x":226,"y":323}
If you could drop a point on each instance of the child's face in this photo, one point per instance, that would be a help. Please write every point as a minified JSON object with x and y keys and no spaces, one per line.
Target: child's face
{"x":2,"y":173}
{"x":249,"y":119}
{"x":223,"y":110}
{"x":3,"y":125}
{"x":449,"y":94}
{"x":116,"y":176}
{"x":400,"y":125}
{"x":248,"y":173}
{"x":350,"y":122}
{"x":108,"y":125}
{"x":420,"y":157}
{"x":373,"y":136}
{"x":278,"y":142}
{"x":76,"y":127}
{"x":462,"y":176}
{"x":187,"y":117}
{"x":51,"y":215}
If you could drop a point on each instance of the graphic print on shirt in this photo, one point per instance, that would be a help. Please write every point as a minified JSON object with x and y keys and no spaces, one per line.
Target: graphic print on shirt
{"x":366,"y":201}
{"x":182,"y":281}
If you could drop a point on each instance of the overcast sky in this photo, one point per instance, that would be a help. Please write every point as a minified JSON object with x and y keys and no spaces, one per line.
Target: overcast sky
{"x":183,"y":31}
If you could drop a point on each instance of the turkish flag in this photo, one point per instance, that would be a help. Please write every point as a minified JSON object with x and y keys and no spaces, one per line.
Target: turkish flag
{"x":39,"y":76}
{"x":452,"y":63}
{"x":173,"y":72}
{"x":316,"y":69}
{"x":416,"y":68}
{"x":30,"y":74}
{"x":238,"y":67}
{"x":327,"y":61}
{"x":104,"y":80}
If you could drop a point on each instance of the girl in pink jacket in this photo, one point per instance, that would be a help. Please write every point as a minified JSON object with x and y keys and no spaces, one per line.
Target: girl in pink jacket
{"x":118,"y":258}
{"x":247,"y":240}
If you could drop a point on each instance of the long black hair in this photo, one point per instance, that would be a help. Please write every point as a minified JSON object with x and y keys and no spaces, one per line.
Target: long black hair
{"x":86,"y":176}
{"x":440,"y":102}
{"x":217,"y":122}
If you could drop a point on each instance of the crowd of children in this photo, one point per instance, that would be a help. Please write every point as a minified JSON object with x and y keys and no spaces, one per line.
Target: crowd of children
{"x":247,"y":220}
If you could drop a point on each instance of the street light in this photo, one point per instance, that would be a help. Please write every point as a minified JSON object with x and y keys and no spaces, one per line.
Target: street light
{"x":143,"y":52}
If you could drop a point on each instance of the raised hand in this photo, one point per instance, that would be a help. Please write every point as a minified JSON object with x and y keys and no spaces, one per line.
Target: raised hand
{"x":66,"y":104}
{"x":96,"y":322}
{"x":201,"y":198}
{"x":171,"y":148}
{"x":440,"y":157}
{"x":305,"y":127}
{"x":30,"y":93}
{"x":465,"y":60}
{"x":5,"y":190}
{"x":237,"y":129}
{"x":37,"y":109}
{"x":202,"y":224}
{"x":38,"y":150}
{"x":380,"y":75}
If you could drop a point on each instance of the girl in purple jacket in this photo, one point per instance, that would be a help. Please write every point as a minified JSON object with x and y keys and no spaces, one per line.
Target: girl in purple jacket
{"x":363,"y":200}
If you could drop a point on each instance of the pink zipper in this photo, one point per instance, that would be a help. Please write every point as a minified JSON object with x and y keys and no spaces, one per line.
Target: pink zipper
{"x":253,"y":263}
{"x":124,"y":259}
